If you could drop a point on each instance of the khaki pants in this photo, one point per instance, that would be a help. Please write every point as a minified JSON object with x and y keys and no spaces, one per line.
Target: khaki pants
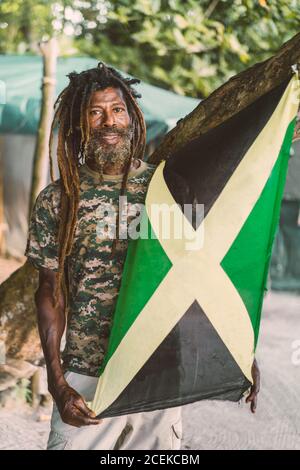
{"x":152,"y":430}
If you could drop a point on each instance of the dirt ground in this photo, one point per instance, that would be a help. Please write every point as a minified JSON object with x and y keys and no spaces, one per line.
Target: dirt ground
{"x":221,"y":425}
{"x":8,"y":266}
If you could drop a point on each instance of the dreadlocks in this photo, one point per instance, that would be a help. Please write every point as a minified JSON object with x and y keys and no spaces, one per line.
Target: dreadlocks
{"x":71,"y":115}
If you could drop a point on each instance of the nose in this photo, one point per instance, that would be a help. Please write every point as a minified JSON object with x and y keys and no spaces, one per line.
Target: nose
{"x":109,"y":120}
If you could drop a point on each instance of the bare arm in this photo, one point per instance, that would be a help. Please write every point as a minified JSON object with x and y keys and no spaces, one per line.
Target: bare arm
{"x":51,"y":323}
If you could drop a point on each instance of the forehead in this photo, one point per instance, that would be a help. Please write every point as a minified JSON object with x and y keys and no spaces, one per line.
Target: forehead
{"x":106,"y":96}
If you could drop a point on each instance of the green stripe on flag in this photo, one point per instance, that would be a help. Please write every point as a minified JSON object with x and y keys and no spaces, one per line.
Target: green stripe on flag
{"x":250,"y":282}
{"x":150,"y":264}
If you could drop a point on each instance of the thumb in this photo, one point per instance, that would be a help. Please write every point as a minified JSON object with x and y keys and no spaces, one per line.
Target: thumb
{"x":81,"y":405}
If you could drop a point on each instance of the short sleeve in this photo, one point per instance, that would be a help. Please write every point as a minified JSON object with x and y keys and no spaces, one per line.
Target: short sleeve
{"x":42,"y":246}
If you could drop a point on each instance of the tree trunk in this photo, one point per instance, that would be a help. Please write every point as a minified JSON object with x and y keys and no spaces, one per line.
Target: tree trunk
{"x":239,"y":92}
{"x":16,"y":294}
{"x":40,"y":159}
{"x":18,"y":326}
{"x":2,"y":219}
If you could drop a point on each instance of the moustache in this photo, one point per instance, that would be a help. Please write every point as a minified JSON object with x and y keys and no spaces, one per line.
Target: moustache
{"x":103,"y":132}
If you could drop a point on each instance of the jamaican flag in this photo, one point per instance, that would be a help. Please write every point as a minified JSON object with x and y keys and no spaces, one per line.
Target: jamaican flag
{"x":187,"y":318}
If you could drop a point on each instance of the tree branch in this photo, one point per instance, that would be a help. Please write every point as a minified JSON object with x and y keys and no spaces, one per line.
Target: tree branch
{"x":239,"y":92}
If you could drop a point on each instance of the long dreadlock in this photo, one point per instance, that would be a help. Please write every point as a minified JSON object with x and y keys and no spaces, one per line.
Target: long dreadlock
{"x":71,"y":115}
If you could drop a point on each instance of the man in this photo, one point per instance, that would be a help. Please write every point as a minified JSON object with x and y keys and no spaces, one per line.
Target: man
{"x":101,"y":144}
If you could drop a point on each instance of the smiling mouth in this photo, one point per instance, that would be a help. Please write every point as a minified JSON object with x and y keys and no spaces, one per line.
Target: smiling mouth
{"x":111,"y":137}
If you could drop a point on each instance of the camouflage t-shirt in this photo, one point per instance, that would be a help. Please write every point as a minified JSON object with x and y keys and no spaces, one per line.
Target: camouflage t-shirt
{"x":94,"y":277}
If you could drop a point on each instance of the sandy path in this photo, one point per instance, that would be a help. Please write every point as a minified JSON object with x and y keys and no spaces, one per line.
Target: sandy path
{"x":221,"y":425}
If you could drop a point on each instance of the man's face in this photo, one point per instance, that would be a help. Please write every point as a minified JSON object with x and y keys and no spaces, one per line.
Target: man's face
{"x":110,"y":128}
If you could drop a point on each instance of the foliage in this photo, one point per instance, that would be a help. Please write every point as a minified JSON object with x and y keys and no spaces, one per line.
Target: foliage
{"x":189,"y":46}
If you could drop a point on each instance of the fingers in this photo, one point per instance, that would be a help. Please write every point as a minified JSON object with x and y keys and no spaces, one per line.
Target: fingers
{"x":73,"y":409}
{"x":252,"y":394}
{"x":75,"y":417}
{"x":253,"y":404}
{"x":252,"y":398}
{"x":90,"y":421}
{"x":78,"y":414}
{"x":81,"y":405}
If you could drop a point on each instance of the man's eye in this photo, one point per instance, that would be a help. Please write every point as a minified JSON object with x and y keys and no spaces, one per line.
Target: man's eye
{"x":94,"y":112}
{"x":118,"y":110}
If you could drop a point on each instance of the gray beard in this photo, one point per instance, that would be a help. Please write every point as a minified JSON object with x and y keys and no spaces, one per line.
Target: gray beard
{"x":100,"y":153}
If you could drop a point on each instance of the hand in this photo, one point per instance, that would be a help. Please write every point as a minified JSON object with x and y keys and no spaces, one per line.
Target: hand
{"x":252,"y":397}
{"x":72,"y":407}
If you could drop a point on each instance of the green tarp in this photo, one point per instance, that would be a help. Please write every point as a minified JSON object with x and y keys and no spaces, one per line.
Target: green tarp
{"x":21,"y":76}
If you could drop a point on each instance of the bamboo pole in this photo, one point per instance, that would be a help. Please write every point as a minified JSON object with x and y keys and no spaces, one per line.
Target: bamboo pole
{"x":40,"y":168}
{"x":3,"y":225}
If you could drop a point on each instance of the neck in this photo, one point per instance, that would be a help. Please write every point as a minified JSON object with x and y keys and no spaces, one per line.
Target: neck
{"x":112,"y":168}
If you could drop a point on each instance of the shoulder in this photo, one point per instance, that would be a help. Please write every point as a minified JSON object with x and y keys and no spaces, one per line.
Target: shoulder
{"x":49,"y":198}
{"x":51,"y":190}
{"x":150,"y":167}
{"x":148,"y":172}
{"x":144,"y":171}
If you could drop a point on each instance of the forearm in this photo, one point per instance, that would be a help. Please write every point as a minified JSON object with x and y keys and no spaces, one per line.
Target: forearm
{"x":51,"y":324}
